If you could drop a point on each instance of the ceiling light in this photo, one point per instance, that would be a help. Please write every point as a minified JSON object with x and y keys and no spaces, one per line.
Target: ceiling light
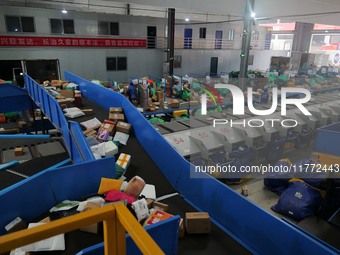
{"x":278,"y":21}
{"x":64,"y":11}
{"x":187,"y":19}
{"x":253,"y":14}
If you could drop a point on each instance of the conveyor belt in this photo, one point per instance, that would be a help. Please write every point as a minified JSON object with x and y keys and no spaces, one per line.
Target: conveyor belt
{"x":217,"y":242}
{"x":192,"y":123}
{"x":161,"y":130}
{"x":173,"y":126}
{"x":20,"y":172}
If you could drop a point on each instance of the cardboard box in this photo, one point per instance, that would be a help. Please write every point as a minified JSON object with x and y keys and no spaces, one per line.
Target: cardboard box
{"x":149,"y":101}
{"x":197,"y":222}
{"x":174,"y":103}
{"x":124,"y":160}
{"x":87,"y":111}
{"x":160,"y":96}
{"x":116,"y":117}
{"x":22,"y":124}
{"x":123,"y":127}
{"x":16,"y":225}
{"x":116,"y":110}
{"x":90,"y":132}
{"x":67,"y":101}
{"x":108,"y":125}
{"x":93,"y":228}
{"x":67,"y":93}
{"x":19,"y":151}
{"x":160,"y":206}
{"x":156,"y":217}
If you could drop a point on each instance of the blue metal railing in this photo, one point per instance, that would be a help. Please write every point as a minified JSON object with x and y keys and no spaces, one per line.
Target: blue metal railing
{"x":75,"y":141}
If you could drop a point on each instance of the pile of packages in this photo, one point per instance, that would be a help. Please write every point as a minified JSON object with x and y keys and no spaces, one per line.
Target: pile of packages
{"x":105,"y":137}
{"x":139,"y":198}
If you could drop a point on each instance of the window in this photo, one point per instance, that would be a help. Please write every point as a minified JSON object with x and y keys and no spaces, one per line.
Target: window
{"x":203,"y":32}
{"x":116,"y":64}
{"x":20,"y":24}
{"x":231,"y":34}
{"x":62,"y":26}
{"x":177,"y":61}
{"x":108,"y":28}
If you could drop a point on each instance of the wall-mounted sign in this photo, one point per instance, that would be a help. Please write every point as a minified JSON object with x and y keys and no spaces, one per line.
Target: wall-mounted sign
{"x":35,"y":41}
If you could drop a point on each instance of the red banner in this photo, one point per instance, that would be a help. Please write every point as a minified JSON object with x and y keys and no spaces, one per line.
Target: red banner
{"x":33,"y":41}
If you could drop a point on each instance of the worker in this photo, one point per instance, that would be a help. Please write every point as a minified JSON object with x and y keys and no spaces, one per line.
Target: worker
{"x":265,"y":96}
{"x":131,"y":92}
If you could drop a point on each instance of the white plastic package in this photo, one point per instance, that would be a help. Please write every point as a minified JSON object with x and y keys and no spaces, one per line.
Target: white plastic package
{"x":91,"y":124}
{"x":141,"y":209}
{"x":74,"y":114}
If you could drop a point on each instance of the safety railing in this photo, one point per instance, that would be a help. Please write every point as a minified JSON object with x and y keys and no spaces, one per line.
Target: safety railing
{"x":75,"y":144}
{"x":116,"y":221}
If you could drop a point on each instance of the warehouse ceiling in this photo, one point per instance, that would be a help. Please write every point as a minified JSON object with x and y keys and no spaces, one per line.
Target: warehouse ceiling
{"x":313,"y":11}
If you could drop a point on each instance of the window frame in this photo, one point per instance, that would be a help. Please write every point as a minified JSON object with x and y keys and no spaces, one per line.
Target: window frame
{"x":115,"y":64}
{"x":62,"y":27}
{"x":109,"y":25}
{"x":203,"y":31}
{"x":20,"y":23}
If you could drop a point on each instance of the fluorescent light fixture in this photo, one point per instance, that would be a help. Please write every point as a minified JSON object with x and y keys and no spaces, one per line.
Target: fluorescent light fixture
{"x":253,"y":14}
{"x":187,"y":19}
{"x":64,"y":11}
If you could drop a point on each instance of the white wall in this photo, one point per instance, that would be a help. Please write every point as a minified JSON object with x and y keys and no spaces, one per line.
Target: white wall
{"x":90,"y":63}
{"x":262,"y":58}
{"x":198,"y":61}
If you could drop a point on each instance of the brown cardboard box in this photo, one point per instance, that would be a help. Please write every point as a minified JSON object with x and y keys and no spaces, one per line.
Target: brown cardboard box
{"x":197,"y":222}
{"x":90,"y":132}
{"x":116,"y":117}
{"x":116,"y":110}
{"x":108,"y":125}
{"x":19,"y":151}
{"x":123,"y":127}
{"x":174,"y":103}
{"x":93,"y":228}
{"x":87,"y":111}
{"x":160,"y":95}
{"x":22,"y":124}
{"x":161,"y":206}
{"x":67,"y":101}
{"x":15,"y":225}
{"x":149,"y":101}
{"x":67,"y":93}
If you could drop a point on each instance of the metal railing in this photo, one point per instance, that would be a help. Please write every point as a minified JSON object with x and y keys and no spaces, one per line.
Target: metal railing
{"x":116,"y":221}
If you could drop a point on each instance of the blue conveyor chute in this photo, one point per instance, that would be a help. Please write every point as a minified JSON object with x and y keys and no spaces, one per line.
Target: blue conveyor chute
{"x":253,"y":227}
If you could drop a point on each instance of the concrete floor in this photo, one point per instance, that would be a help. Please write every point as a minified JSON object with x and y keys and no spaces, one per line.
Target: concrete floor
{"x":263,"y":197}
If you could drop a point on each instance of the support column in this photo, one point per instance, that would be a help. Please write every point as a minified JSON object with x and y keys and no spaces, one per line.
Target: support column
{"x":302,"y":36}
{"x":171,"y":40}
{"x":246,"y":37}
